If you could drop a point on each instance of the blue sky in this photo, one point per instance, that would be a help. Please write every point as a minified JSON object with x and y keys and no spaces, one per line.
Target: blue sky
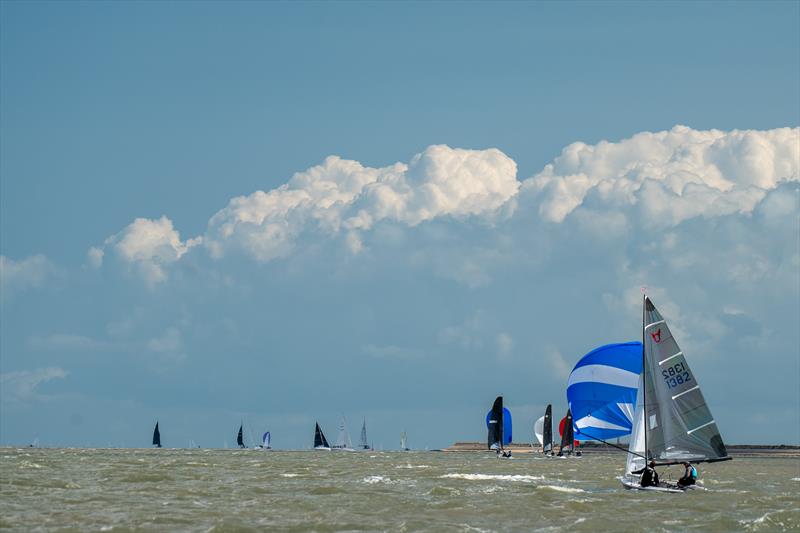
{"x":407,"y":289}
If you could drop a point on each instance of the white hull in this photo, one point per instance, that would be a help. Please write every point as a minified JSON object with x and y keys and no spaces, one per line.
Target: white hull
{"x":323,"y":448}
{"x":634,"y":485}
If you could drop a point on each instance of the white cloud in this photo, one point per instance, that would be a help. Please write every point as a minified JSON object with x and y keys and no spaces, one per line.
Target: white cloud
{"x":95,"y":257}
{"x":21,"y":386}
{"x":147,"y":245}
{"x":610,"y":190}
{"x":31,"y":272}
{"x":344,"y":196}
{"x":669,"y":176}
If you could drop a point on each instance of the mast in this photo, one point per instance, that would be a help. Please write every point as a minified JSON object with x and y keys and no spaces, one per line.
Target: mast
{"x":644,"y":380}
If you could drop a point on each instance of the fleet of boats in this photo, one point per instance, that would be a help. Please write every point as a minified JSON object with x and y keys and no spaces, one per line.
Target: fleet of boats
{"x":642,"y":390}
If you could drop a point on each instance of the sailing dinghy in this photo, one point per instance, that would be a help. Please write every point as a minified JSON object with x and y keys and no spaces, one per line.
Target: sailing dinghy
{"x":671,"y":423}
{"x":543,"y":429}
{"x":320,"y":442}
{"x":495,"y":432}
{"x":240,"y":437}
{"x":343,"y":442}
{"x":156,"y":437}
{"x":363,"y":444}
{"x":404,"y":442}
{"x":567,"y":435}
{"x":265,"y":442}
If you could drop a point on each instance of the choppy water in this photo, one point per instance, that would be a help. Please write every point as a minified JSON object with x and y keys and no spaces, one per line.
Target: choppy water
{"x":227,"y":490}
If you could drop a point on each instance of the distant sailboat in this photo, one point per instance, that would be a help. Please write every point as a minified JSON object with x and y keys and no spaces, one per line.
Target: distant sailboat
{"x":343,"y":442}
{"x":672,"y":422}
{"x":320,"y":442}
{"x":265,"y":442}
{"x":567,"y":435}
{"x":156,"y":437}
{"x":363,"y":444}
{"x":543,"y":429}
{"x":495,"y":430}
{"x":404,"y":442}
{"x":240,"y":437}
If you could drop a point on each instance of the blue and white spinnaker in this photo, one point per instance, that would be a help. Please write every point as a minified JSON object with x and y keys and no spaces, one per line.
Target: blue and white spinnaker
{"x":601,"y":391}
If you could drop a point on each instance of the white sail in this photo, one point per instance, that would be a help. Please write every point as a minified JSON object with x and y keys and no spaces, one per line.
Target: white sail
{"x":343,"y":441}
{"x":636,"y":449}
{"x":538,"y":430}
{"x":403,"y":441}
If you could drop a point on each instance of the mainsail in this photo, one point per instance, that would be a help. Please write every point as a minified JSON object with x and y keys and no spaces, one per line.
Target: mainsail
{"x":343,"y":441}
{"x":495,"y":437}
{"x":265,"y":440}
{"x":363,"y":445}
{"x":156,"y":437}
{"x":672,"y":422}
{"x":602,"y":390}
{"x":403,"y":442}
{"x":319,"y":438}
{"x":567,"y":434}
{"x":547,"y":432}
{"x":240,"y":437}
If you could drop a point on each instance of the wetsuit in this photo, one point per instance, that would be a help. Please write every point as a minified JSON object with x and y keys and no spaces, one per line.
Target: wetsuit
{"x":689,"y":477}
{"x":649,"y":477}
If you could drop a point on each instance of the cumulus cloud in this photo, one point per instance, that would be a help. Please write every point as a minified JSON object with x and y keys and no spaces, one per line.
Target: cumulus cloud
{"x":22,"y":386}
{"x":31,"y":272}
{"x":149,"y":246}
{"x":610,"y":190}
{"x":667,"y":177}
{"x":344,"y":197}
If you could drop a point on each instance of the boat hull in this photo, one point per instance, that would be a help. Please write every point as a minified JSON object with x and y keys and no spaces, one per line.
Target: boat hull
{"x":634,"y":485}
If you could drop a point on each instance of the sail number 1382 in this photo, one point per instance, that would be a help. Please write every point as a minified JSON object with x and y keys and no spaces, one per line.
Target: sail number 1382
{"x":676,"y":375}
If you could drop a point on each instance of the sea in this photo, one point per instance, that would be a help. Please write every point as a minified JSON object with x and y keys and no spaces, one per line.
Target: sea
{"x":254,"y":490}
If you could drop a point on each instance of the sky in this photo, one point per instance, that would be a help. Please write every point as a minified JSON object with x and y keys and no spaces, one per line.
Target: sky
{"x":280,"y":213}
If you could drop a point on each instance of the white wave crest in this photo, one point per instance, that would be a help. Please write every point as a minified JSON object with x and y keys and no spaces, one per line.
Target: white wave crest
{"x":559,"y":488}
{"x":493,"y":477}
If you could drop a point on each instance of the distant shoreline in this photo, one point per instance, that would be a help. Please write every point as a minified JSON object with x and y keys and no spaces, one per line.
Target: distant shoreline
{"x":734,"y":450}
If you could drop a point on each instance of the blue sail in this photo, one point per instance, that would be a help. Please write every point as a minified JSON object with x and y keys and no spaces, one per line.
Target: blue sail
{"x":506,"y":425}
{"x":601,"y":391}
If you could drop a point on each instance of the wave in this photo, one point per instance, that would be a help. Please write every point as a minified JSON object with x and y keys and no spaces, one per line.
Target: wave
{"x":559,"y":488}
{"x":493,"y":477}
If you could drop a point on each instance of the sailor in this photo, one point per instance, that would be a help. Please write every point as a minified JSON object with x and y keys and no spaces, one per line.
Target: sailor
{"x":689,"y":475}
{"x":507,"y":454}
{"x":649,"y":475}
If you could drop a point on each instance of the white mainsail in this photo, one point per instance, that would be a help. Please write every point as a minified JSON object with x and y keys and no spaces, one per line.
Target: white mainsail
{"x":343,"y":441}
{"x":403,"y":441}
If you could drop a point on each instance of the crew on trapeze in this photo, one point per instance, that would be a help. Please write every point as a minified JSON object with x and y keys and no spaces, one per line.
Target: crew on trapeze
{"x":649,"y":475}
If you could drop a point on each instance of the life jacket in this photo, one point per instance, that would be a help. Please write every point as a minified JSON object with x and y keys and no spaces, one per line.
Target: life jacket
{"x":693,"y":473}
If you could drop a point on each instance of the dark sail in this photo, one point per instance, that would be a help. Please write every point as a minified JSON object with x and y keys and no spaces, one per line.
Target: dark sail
{"x":568,"y":436}
{"x":319,"y":438}
{"x":547,"y":434}
{"x":156,"y":437}
{"x":495,"y":438}
{"x":240,"y":438}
